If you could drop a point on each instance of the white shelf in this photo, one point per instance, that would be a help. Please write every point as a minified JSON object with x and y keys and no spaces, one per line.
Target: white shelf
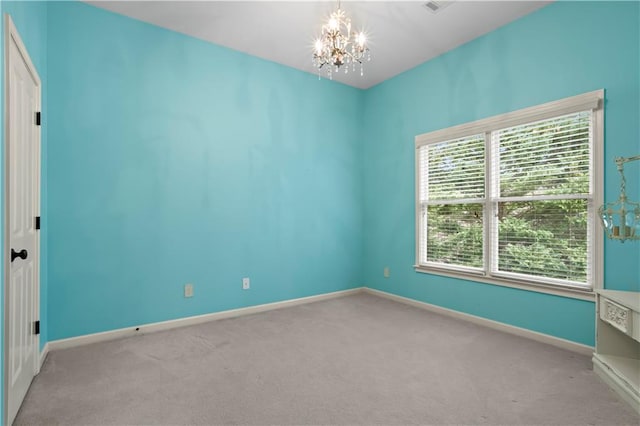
{"x":627,"y":368}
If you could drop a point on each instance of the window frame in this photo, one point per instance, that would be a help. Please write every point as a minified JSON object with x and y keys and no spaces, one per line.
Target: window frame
{"x":593,"y":101}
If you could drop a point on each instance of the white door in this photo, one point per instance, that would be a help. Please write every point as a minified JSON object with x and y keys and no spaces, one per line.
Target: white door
{"x":22,"y":205}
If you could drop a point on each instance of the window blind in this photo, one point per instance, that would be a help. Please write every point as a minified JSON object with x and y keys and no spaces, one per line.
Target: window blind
{"x":453,"y":170}
{"x":549,"y":157}
{"x":452,"y":190}
{"x":542,"y":185}
{"x":512,"y":197}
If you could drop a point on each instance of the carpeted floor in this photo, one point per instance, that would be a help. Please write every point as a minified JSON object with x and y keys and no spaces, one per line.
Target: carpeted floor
{"x":355,"y":360}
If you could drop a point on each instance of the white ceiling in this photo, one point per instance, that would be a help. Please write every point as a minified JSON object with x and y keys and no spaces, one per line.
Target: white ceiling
{"x":401,"y":34}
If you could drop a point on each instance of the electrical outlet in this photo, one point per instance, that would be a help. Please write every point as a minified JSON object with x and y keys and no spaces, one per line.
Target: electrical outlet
{"x":246,"y":284}
{"x":386,"y":272}
{"x":188,"y":290}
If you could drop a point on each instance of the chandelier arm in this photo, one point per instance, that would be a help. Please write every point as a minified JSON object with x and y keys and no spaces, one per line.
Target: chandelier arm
{"x":622,"y":160}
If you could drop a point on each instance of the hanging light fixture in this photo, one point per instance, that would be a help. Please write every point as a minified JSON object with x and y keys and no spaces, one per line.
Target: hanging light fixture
{"x":339,"y":47}
{"x":621,"y":219}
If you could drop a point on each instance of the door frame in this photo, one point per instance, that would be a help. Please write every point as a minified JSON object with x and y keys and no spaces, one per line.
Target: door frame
{"x":11,"y":35}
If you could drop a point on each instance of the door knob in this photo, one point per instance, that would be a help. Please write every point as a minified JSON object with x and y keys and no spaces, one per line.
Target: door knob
{"x":22,"y":254}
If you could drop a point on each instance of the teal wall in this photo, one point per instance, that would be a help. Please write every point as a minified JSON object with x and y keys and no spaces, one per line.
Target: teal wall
{"x":30,"y":18}
{"x":176,"y":161}
{"x":561,"y":50}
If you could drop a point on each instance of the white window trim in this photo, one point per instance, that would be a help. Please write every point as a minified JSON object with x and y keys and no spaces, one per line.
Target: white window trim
{"x":588,"y":101}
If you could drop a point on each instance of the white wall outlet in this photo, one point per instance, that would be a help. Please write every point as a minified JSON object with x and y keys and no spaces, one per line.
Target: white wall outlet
{"x":188,"y":290}
{"x":386,"y":272}
{"x":246,"y":284}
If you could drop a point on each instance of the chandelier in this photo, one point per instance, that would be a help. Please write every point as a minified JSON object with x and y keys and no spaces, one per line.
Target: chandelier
{"x":621,"y":218}
{"x":338,"y":46}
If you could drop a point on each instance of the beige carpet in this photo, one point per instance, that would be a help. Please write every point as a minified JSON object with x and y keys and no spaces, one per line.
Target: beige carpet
{"x":354,"y":360}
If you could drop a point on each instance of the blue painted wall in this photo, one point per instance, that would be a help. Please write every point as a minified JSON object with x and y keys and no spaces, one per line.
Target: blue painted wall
{"x":176,"y":161}
{"x":30,"y":18}
{"x":564,"y":49}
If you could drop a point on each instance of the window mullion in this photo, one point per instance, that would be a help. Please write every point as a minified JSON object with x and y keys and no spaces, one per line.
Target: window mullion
{"x":422,"y":159}
{"x":491,"y":191}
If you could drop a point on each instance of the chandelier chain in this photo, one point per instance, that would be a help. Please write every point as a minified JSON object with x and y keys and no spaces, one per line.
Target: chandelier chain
{"x":623,"y":181}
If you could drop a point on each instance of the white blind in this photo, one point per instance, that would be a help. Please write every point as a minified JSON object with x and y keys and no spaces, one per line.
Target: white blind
{"x":455,"y":234}
{"x":453,"y":170}
{"x":544,"y":239}
{"x":542,"y":172}
{"x":514,"y":196}
{"x":452,"y":188}
{"x":548,"y":157}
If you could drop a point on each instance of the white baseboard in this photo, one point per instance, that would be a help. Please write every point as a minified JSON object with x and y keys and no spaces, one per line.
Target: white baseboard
{"x":511,"y":329}
{"x":183,"y":322}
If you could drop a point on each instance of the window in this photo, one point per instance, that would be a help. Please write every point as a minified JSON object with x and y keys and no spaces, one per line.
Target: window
{"x":512,"y":199}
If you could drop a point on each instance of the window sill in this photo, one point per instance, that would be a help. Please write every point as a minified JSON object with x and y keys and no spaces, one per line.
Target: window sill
{"x":587,"y":294}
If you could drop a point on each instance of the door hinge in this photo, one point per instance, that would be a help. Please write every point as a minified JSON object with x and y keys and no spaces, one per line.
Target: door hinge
{"x":36,"y":327}
{"x":37,"y":222}
{"x":38,"y":117}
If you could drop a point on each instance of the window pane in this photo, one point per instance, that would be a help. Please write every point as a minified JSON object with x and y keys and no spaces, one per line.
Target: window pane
{"x":544,"y":239}
{"x":548,"y":157}
{"x":453,"y":169}
{"x":454,"y":234}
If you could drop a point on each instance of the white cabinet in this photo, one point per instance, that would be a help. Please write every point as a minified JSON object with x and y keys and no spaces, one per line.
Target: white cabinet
{"x":617,"y":356}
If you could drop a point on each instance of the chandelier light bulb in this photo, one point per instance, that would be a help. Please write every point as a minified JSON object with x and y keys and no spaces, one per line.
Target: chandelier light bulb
{"x":338,"y":45}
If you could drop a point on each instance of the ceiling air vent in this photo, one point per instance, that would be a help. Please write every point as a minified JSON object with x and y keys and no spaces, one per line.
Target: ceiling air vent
{"x":434,"y":6}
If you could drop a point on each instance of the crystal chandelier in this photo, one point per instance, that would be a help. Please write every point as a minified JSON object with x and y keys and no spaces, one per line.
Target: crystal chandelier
{"x":621,"y":219}
{"x":338,"y":46}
